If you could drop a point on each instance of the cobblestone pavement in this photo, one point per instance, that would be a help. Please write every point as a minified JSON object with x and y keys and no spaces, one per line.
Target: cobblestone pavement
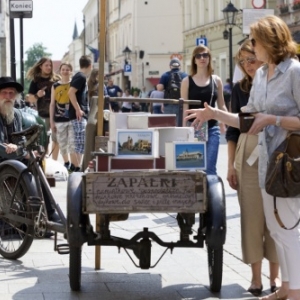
{"x":42,"y":274}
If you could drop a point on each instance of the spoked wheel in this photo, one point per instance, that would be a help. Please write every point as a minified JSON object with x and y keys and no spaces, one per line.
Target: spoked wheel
{"x":215,"y":268}
{"x":15,"y":236}
{"x":75,"y":268}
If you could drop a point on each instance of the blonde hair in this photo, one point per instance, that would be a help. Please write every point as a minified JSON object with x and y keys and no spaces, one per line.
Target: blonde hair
{"x":274,"y":35}
{"x":35,"y":72}
{"x":197,"y":50}
{"x":246,"y":81}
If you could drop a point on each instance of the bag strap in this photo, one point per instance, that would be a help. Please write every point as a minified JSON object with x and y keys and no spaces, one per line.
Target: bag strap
{"x":279,"y":219}
{"x":212,"y":90}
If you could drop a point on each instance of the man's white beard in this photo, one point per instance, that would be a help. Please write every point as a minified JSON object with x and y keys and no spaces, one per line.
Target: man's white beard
{"x":7,"y":111}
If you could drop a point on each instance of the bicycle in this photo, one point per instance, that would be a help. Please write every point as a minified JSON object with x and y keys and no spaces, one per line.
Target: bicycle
{"x":23,"y":188}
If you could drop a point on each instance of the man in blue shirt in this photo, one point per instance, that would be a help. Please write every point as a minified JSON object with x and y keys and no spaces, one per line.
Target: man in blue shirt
{"x":113,"y":91}
{"x":163,"y":84}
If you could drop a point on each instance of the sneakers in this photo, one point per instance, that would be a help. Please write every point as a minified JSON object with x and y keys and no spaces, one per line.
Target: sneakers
{"x":72,"y":169}
{"x":67,"y":165}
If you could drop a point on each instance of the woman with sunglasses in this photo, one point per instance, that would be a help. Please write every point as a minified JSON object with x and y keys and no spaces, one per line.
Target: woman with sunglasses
{"x":256,"y":240}
{"x":202,"y":85}
{"x":275,"y":96}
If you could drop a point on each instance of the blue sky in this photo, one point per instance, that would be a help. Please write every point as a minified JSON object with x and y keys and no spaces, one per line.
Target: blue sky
{"x":52,"y":25}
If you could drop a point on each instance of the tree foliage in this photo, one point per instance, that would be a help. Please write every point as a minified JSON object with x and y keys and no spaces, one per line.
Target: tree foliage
{"x":34,"y":54}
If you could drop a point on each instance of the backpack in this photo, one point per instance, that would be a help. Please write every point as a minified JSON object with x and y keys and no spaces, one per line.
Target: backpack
{"x":172,"y":90}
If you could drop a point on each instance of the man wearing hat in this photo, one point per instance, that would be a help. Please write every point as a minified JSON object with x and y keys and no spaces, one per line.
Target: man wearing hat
{"x":11,"y":121}
{"x":164,"y":83}
{"x":10,"y":118}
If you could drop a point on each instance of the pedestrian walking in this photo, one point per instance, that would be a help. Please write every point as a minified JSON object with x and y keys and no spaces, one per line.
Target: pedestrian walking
{"x":275,"y":101}
{"x":202,"y":84}
{"x":79,"y":107}
{"x":256,"y":240}
{"x":42,"y":78}
{"x":59,"y":116}
{"x":170,"y":84}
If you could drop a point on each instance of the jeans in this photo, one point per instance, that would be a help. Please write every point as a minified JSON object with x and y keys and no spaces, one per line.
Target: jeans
{"x":157,"y":109}
{"x":172,"y":109}
{"x":212,"y":150}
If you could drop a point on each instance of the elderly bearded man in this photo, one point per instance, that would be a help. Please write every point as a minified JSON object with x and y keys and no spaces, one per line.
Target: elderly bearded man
{"x":11,"y":121}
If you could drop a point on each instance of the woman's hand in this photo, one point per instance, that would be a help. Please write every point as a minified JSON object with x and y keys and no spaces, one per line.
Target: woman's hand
{"x":260,"y":122}
{"x":41,"y":93}
{"x":10,"y":148}
{"x":200,"y":115}
{"x":232,"y":178}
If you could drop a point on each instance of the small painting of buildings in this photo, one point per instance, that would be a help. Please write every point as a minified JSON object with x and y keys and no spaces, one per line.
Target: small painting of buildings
{"x":131,"y":143}
{"x":190,"y":155}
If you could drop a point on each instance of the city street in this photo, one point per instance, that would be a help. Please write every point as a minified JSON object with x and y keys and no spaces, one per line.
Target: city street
{"x":42,"y":274}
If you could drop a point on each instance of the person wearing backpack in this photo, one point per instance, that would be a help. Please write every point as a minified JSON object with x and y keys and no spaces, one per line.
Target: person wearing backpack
{"x":170,"y":83}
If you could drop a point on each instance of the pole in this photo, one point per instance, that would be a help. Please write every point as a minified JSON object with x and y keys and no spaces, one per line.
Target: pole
{"x":230,"y":56}
{"x":12,"y":49}
{"x":21,"y":51}
{"x":101,"y":39}
{"x":143,"y":74}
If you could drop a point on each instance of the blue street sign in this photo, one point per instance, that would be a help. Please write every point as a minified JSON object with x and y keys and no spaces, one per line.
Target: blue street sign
{"x":201,"y":41}
{"x":127,"y":68}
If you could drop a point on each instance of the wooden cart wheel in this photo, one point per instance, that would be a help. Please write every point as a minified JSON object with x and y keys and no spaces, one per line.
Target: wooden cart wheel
{"x":75,"y":268}
{"x":215,"y":268}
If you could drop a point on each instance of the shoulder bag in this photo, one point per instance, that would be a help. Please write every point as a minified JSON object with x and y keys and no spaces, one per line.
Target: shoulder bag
{"x":283,"y":172}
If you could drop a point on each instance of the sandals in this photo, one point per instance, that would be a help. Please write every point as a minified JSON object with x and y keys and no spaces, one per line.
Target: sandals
{"x":255,"y":291}
{"x":270,"y":297}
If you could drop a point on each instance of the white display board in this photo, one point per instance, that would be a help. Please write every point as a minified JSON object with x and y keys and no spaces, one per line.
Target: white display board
{"x":252,"y":15}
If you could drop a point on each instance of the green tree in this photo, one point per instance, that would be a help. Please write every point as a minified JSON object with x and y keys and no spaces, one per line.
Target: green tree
{"x":34,"y":54}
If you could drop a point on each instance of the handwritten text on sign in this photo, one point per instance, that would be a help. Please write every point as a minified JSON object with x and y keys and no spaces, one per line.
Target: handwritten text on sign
{"x":141,"y":191}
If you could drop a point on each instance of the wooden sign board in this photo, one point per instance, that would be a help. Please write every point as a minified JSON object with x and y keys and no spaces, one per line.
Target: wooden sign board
{"x":138,"y":191}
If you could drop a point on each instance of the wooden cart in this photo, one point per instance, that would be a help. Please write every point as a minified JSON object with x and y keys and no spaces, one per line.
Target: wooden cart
{"x":115,"y":195}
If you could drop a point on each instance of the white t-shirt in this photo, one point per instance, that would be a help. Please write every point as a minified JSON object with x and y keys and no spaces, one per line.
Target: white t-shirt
{"x":127,"y":105}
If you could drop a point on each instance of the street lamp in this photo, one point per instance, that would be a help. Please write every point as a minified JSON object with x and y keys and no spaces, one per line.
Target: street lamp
{"x":230,"y":12}
{"x":127,"y":53}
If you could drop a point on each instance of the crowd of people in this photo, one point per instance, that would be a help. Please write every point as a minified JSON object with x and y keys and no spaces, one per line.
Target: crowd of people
{"x":269,"y":89}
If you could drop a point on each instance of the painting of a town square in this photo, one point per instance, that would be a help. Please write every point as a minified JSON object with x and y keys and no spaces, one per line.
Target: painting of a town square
{"x":134,"y":143}
{"x":190,"y":155}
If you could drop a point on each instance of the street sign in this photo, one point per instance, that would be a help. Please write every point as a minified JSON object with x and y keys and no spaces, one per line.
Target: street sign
{"x":20,"y":8}
{"x":201,"y":41}
{"x":127,"y":69}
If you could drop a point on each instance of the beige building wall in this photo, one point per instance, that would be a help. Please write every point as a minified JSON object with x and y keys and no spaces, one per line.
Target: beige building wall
{"x":154,"y":27}
{"x":4,"y":39}
{"x":205,"y":18}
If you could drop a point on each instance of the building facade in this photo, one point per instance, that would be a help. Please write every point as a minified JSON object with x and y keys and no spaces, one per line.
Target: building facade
{"x":4,"y":39}
{"x":155,"y":31}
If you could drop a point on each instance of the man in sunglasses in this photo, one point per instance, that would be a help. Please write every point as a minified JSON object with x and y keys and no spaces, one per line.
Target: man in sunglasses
{"x":170,"y":83}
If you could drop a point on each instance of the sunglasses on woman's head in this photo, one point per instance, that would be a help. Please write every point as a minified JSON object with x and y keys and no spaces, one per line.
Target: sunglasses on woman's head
{"x":200,"y":55}
{"x":249,"y":60}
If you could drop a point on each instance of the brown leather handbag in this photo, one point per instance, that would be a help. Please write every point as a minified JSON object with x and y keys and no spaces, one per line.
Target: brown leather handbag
{"x":283,"y":172}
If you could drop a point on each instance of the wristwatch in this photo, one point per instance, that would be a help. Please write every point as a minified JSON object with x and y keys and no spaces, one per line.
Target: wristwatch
{"x":278,"y":121}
